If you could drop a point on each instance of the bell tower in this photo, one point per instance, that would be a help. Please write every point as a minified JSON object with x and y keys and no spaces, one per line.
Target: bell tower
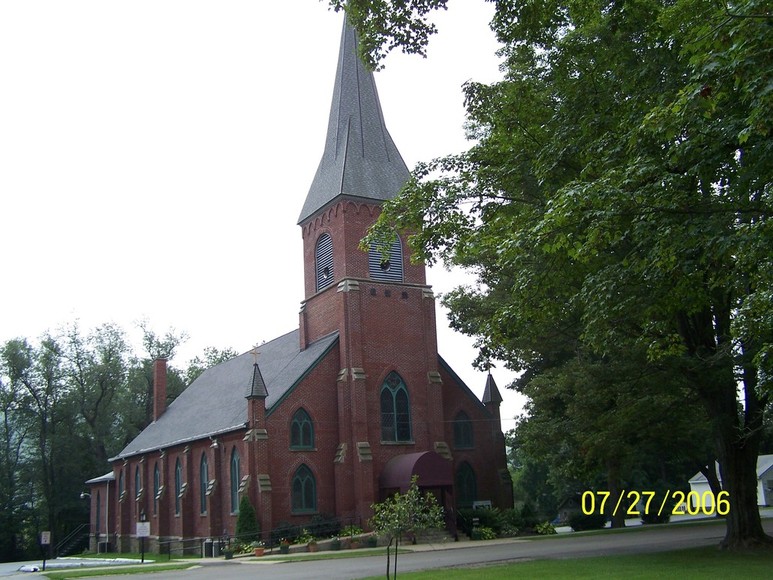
{"x":389,"y":390}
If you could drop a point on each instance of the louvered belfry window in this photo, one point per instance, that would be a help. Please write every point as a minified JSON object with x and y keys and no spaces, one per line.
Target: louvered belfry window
{"x":386,"y":269}
{"x":323,"y":258}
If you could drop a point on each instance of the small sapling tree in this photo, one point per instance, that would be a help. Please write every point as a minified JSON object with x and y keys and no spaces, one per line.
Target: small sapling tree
{"x":405,"y":513}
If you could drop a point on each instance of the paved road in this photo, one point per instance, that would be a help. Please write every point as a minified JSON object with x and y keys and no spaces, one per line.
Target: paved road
{"x":461,"y":554}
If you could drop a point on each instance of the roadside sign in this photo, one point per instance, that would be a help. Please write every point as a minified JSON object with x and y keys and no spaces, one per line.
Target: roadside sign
{"x":45,"y":538}
{"x":143,"y":529}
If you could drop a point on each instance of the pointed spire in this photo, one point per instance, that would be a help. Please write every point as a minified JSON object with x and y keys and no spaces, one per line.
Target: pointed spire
{"x":491,"y":392}
{"x":360,"y":158}
{"x":258,"y":388}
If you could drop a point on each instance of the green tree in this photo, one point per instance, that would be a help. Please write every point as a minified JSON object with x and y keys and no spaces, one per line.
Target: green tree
{"x":247,"y":526}
{"x":405,"y":513}
{"x":618,"y":193}
{"x":14,"y":431}
{"x":212,"y":356}
{"x":96,"y":366}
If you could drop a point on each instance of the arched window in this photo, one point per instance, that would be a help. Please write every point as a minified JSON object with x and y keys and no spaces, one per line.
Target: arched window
{"x":323,"y":259}
{"x":388,"y":269}
{"x":466,"y":486}
{"x":137,"y":483}
{"x":178,"y":485}
{"x":120,"y":483}
{"x":301,"y":431}
{"x":235,"y":479}
{"x":462,"y":431}
{"x":99,"y":516}
{"x":304,"y":491}
{"x":395,"y":410}
{"x":156,"y":487}
{"x":203,"y":482}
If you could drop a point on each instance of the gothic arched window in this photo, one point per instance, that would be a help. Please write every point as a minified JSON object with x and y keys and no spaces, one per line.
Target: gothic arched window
{"x":395,"y":410}
{"x":304,"y":491}
{"x":178,"y":485}
{"x":156,"y":486}
{"x":323,"y":259}
{"x":386,"y":268}
{"x":462,"y":431}
{"x":466,"y":485}
{"x":99,"y":515}
{"x":137,"y":483}
{"x":301,"y":431}
{"x":203,"y":482}
{"x":235,"y":480}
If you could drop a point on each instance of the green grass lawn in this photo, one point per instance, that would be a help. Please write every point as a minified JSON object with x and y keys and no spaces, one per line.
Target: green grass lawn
{"x":692,"y":564}
{"x":116,"y":570}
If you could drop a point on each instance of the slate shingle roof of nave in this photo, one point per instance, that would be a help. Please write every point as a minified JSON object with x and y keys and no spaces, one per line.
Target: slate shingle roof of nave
{"x":216,"y":401}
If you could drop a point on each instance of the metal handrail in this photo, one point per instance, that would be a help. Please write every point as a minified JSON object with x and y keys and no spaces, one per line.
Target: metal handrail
{"x":69,"y":538}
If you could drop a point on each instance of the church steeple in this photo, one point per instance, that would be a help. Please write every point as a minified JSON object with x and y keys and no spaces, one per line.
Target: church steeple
{"x":360,"y":159}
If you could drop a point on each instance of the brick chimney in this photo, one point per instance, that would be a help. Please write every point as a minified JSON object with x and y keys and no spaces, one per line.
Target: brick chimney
{"x":159,"y":387}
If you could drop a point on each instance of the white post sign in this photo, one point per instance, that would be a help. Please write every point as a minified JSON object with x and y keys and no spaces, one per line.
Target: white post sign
{"x":143,"y":529}
{"x":45,"y":538}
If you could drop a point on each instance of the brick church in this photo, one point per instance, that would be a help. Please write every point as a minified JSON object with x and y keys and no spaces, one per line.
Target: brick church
{"x":336,"y":415}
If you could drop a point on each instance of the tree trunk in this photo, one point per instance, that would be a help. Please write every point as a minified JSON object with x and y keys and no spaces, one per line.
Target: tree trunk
{"x":738,"y":467}
{"x":613,"y":483}
{"x":706,"y":335}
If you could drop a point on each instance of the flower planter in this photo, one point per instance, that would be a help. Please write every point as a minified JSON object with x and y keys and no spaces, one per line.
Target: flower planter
{"x":312,"y":547}
{"x":260,"y":551}
{"x":284,"y":548}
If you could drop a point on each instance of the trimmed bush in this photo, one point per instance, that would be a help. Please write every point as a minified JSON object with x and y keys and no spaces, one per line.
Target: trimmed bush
{"x":247,"y":526}
{"x":581,"y":522}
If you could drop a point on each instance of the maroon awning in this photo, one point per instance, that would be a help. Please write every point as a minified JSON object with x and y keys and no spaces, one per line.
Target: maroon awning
{"x":432,"y":471}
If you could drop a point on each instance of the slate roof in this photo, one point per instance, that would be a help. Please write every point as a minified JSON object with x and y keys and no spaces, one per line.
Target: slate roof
{"x":109,"y":476}
{"x":465,"y":389}
{"x":216,"y":401}
{"x":491,"y":393}
{"x":360,"y":159}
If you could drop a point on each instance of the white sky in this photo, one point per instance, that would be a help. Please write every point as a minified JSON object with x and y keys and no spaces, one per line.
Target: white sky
{"x":155,"y":155}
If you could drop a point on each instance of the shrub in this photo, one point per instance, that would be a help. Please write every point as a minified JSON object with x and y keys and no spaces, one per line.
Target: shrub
{"x":351,"y":530}
{"x":529,"y":517}
{"x":483,"y":533}
{"x":651,"y":516}
{"x":545,"y":529}
{"x":508,"y":531}
{"x":247,"y":526}
{"x":487,"y":518}
{"x":579,"y":521}
{"x":324,"y":526}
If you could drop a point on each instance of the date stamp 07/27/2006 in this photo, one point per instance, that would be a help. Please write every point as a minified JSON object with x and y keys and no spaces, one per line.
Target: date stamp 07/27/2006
{"x":638,"y":503}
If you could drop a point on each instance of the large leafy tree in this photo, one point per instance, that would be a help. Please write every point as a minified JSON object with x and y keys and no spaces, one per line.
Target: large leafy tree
{"x":618,"y":193}
{"x":68,"y":402}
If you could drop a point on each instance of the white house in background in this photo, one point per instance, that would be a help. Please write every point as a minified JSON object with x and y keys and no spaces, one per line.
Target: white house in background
{"x":699,"y":484}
